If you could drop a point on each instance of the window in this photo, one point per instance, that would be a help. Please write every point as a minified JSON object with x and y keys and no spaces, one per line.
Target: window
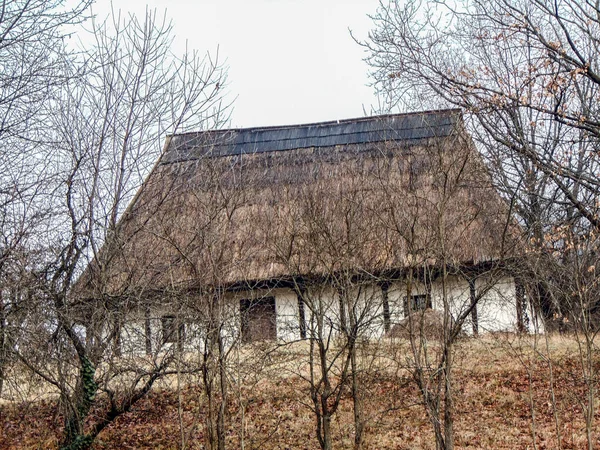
{"x":171,"y":330}
{"x":414,"y":303}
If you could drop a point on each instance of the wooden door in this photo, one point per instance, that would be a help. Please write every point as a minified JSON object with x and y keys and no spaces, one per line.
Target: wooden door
{"x":258,"y":319}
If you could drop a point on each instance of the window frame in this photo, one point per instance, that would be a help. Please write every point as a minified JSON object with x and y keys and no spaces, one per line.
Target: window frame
{"x":416,"y":303}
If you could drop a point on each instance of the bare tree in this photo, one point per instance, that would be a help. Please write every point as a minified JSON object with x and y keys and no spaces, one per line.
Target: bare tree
{"x":525,"y":74}
{"x":455,"y":234}
{"x":327,"y":237}
{"x":34,"y":56}
{"x":107,"y":125}
{"x":202,"y":234}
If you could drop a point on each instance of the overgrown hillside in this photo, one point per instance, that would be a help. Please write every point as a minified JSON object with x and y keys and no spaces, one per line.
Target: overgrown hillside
{"x":509,"y":395}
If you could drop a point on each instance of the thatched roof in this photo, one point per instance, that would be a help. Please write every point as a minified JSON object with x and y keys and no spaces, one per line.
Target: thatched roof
{"x":231,"y":206}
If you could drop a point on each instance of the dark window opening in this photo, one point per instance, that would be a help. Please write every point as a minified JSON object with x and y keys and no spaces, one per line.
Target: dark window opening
{"x":258,"y":319}
{"x":414,"y":303}
{"x":172,"y":330}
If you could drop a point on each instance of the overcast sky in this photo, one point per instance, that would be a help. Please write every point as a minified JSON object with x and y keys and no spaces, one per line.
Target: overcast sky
{"x":291,"y":61}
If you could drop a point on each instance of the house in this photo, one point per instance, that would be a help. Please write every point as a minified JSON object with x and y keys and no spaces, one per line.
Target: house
{"x":270,"y":233}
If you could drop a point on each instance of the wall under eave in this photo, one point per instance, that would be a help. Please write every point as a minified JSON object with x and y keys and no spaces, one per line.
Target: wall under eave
{"x":496,"y":311}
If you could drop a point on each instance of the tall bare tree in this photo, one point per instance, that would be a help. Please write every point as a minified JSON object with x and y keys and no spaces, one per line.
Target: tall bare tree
{"x":525,"y":73}
{"x":106,"y":128}
{"x":34,"y":57}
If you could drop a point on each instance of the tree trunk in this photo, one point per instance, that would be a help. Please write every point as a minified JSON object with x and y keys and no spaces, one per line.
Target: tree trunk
{"x":448,"y":400}
{"x":326,"y":444}
{"x":474,"y":318}
{"x":447,"y":363}
{"x":2,"y":343}
{"x":208,"y":376}
{"x":357,"y":403}
{"x":223,"y":388}
{"x":386,"y":306}
{"x":591,"y":389}
{"x":211,"y":422}
{"x":215,"y":379}
{"x":356,"y":394}
{"x":74,"y":437}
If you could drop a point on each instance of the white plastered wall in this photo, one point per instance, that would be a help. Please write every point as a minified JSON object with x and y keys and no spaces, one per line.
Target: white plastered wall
{"x":496,"y":311}
{"x":134,"y":329}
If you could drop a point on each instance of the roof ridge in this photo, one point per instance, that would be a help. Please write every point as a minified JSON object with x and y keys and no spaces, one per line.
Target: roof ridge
{"x":407,"y":127}
{"x":325,"y":123}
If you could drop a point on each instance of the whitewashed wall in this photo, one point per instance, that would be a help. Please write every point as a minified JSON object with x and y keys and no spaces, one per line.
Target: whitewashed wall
{"x":496,"y":311}
{"x":286,"y":309}
{"x":133,"y":331}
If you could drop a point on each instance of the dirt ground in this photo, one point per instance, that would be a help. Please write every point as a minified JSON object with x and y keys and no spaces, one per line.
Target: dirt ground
{"x":503,"y":401}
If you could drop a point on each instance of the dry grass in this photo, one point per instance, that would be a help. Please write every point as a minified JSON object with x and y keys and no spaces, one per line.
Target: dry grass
{"x":501,"y":383}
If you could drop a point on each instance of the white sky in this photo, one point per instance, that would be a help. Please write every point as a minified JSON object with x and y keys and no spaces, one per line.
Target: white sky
{"x":290,"y":61}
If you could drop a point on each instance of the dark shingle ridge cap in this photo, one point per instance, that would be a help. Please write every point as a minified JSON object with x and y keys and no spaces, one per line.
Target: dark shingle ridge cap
{"x":405,"y":127}
{"x":329,"y":122}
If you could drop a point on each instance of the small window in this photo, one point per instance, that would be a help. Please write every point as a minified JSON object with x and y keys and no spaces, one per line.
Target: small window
{"x":416,"y":303}
{"x":171,"y":331}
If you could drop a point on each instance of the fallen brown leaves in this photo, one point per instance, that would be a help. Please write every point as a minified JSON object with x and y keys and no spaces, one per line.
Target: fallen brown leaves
{"x":503,"y":399}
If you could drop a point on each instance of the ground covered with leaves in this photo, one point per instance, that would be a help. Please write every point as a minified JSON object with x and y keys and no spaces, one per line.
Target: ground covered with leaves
{"x":510,"y":394}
